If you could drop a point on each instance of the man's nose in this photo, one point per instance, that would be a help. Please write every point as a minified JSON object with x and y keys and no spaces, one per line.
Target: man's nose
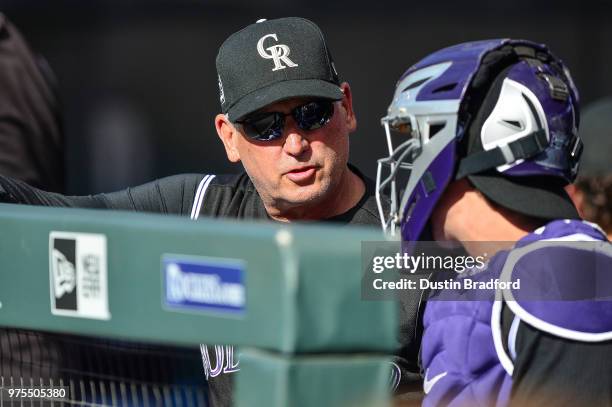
{"x":295,"y":142}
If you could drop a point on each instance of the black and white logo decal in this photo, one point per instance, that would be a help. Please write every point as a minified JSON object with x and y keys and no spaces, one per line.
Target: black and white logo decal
{"x":78,"y":275}
{"x":64,"y":274}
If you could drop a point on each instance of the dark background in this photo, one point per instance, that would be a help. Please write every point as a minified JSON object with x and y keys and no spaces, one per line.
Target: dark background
{"x":139,"y":89}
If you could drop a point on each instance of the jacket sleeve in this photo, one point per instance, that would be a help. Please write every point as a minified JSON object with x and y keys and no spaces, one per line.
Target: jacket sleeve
{"x":18,"y":192}
{"x":173,"y":195}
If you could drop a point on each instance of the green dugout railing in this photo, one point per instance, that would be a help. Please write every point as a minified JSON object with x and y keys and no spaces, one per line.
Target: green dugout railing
{"x":288,"y":296}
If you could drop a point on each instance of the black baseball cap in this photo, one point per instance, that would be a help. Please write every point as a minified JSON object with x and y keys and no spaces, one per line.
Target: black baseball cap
{"x":274,"y":60}
{"x":542,"y":197}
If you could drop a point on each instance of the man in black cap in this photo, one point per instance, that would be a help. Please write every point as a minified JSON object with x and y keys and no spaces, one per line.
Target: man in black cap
{"x":287,"y":117}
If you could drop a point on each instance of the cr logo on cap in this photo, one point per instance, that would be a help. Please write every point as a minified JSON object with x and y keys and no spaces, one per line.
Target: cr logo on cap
{"x":278,"y":52}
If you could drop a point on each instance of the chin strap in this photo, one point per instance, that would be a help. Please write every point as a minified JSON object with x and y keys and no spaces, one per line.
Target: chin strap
{"x":525,"y":147}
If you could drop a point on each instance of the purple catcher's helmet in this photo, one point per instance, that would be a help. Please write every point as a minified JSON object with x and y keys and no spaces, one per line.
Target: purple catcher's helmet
{"x":503,"y":113}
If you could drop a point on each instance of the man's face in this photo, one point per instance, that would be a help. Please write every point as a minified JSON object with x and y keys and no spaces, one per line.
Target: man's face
{"x":302,"y":167}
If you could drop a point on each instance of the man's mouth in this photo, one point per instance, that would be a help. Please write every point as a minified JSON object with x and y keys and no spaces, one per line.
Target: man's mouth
{"x":301,"y":174}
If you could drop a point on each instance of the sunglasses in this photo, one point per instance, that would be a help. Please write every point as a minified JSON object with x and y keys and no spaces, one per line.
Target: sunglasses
{"x":269,"y":126}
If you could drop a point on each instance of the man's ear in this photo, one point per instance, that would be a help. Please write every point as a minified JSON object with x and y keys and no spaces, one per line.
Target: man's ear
{"x":577,"y":197}
{"x":229,"y":136}
{"x":347,"y":103}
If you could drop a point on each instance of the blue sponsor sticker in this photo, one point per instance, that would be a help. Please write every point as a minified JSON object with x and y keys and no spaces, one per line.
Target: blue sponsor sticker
{"x":204,"y":284}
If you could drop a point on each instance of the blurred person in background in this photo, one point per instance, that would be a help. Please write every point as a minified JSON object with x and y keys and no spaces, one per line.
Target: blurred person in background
{"x":592,"y":191}
{"x":31,"y":136}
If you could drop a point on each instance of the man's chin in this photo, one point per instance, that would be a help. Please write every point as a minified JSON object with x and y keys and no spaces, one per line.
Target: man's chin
{"x":304,"y":195}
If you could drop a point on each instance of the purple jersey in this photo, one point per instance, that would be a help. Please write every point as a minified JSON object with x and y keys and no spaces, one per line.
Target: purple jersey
{"x":467,"y":356}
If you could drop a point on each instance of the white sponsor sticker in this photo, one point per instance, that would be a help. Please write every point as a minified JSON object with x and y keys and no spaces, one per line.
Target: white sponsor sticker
{"x":78,"y":275}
